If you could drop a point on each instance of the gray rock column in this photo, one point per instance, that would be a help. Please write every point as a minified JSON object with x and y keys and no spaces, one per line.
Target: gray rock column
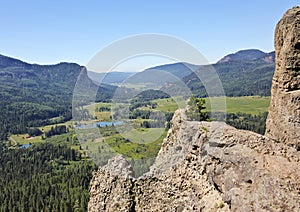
{"x":283,"y":123}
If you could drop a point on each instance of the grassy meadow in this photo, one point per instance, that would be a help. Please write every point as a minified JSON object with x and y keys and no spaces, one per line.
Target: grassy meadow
{"x":246,"y":104}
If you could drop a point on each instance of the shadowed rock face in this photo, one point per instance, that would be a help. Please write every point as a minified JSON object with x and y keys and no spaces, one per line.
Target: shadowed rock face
{"x":210,"y":166}
{"x":283,"y":123}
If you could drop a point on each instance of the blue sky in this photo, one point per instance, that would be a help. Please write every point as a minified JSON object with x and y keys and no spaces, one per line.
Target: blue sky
{"x":49,"y":32}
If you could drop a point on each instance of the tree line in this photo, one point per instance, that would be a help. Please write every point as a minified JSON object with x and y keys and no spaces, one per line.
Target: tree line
{"x":44,"y":177}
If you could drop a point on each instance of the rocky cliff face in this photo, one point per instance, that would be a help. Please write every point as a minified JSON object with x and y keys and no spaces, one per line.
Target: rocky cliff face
{"x":204,"y":166}
{"x":210,"y":166}
{"x":283,"y":123}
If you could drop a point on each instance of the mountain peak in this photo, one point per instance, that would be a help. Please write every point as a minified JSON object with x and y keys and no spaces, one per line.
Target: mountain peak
{"x":248,"y":54}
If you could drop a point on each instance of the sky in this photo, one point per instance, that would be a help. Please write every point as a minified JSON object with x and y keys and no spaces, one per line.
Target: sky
{"x":48,"y":32}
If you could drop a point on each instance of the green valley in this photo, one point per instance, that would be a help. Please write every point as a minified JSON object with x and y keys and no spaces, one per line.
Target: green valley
{"x":37,"y":131}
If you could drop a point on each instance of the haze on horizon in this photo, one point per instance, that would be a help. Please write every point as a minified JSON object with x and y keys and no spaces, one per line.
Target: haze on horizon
{"x":57,"y":31}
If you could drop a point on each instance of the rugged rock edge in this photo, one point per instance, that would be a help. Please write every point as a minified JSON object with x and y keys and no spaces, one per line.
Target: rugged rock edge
{"x":206,"y":166}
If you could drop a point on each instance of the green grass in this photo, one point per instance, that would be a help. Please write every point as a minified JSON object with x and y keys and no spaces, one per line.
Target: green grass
{"x":246,"y":104}
{"x":57,"y":139}
{"x":169,"y":104}
{"x":21,"y":139}
{"x":144,"y":135}
{"x":46,"y":128}
{"x":136,"y":148}
{"x":137,"y":144}
{"x":91,"y":108}
{"x":140,"y":155}
{"x":103,"y":116}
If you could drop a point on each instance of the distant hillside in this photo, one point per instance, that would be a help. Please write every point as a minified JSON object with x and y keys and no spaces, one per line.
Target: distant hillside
{"x":241,"y":75}
{"x":269,"y":57}
{"x":179,"y":70}
{"x":32,"y":94}
{"x":243,"y":55}
{"x":110,"y":77}
{"x":245,"y":73}
{"x":57,"y":81}
{"x":8,"y":61}
{"x":159,"y":75}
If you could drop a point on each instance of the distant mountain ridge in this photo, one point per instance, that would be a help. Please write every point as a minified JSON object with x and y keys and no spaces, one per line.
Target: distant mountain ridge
{"x":179,"y":70}
{"x":61,"y":76}
{"x":110,"y":77}
{"x":32,"y":94}
{"x":247,"y":72}
{"x":8,"y":61}
{"x":246,"y":55}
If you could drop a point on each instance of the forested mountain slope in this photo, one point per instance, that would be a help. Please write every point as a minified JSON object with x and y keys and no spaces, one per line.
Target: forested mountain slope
{"x":31,"y":94}
{"x":241,"y":76}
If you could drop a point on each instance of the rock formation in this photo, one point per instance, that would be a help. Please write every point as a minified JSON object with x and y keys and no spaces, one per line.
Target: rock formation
{"x":210,"y":166}
{"x":283,"y":123}
{"x":204,"y":167}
